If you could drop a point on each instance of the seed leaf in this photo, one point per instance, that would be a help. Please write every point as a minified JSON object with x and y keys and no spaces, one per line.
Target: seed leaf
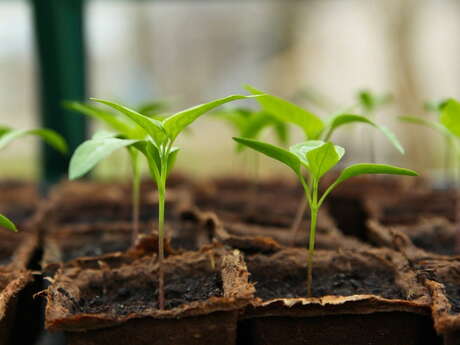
{"x":91,"y":152}
{"x":344,"y":119}
{"x":153,"y":127}
{"x":172,"y":158}
{"x":4,"y":130}
{"x":367,"y":168}
{"x":450,"y":116}
{"x":50,"y":137}
{"x":285,"y":111}
{"x":282,"y":155}
{"x":176,"y":123}
{"x":7,"y":224}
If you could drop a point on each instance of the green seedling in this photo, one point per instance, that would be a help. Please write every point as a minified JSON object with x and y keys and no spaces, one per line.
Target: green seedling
{"x":448,"y":126}
{"x":159,"y":151}
{"x":7,"y":135}
{"x":123,"y":128}
{"x":370,"y":102}
{"x":317,"y":157}
{"x":248,"y":123}
{"x":315,"y":128}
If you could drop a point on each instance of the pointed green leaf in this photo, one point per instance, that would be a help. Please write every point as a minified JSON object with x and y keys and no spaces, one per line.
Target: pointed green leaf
{"x":344,"y":119}
{"x":7,"y":224}
{"x":91,"y":152}
{"x":282,"y":155}
{"x":111,"y":120}
{"x":324,"y":158}
{"x":285,"y":111}
{"x":152,"y":109}
{"x":281,"y":131}
{"x":450,"y":116}
{"x":50,"y":137}
{"x":254,"y":125}
{"x":179,"y":121}
{"x":367,"y":168}
{"x":153,"y":127}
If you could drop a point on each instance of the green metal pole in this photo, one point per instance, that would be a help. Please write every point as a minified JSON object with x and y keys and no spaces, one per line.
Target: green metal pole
{"x":59,"y":36}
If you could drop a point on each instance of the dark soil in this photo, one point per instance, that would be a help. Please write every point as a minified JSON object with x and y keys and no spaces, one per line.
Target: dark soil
{"x":375,"y":282}
{"x":96,"y":248}
{"x":121,"y":296}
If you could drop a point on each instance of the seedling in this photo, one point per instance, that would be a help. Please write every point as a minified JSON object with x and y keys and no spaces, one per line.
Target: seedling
{"x":448,"y":126}
{"x":124,"y":128}
{"x":158,"y":149}
{"x":317,"y":157}
{"x":248,"y":123}
{"x":7,"y":135}
{"x":315,"y":128}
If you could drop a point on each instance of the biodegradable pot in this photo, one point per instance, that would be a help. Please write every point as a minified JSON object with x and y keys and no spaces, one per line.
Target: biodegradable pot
{"x":70,"y":242}
{"x":119,"y":306}
{"x":251,"y":238}
{"x":410,"y":207}
{"x":347,"y":202}
{"x":368,"y":297}
{"x":269,"y":203}
{"x":442,"y":277}
{"x":89,"y":203}
{"x":433,"y":235}
{"x":12,"y":282}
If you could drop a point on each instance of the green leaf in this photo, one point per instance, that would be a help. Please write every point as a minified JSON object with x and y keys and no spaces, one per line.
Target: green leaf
{"x":50,"y":137}
{"x":370,"y":101}
{"x":285,"y":111}
{"x":254,"y":125}
{"x":176,"y":123}
{"x":110,"y":119}
{"x":152,"y":109}
{"x":282,"y":155}
{"x":450,"y":117}
{"x":281,"y":131}
{"x":324,"y":158}
{"x":7,"y":224}
{"x":344,"y":119}
{"x":367,"y":168}
{"x":91,"y":152}
{"x":153,"y":127}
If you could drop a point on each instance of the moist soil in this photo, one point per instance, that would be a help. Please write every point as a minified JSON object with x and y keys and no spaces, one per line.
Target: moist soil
{"x":120,"y":296}
{"x":453,"y":295}
{"x":355,"y":282}
{"x":435,"y":243}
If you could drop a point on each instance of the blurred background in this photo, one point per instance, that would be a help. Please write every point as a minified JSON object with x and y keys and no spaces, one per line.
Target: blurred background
{"x":316,"y":53}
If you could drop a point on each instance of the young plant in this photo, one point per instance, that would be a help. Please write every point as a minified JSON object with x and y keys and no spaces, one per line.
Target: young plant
{"x":7,"y":135}
{"x":250,"y":124}
{"x":123,"y":128}
{"x":314,"y":127}
{"x":317,"y":157}
{"x":159,"y":151}
{"x":448,"y":126}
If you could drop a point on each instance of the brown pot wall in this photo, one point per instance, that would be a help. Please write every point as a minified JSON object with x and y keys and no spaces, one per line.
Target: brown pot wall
{"x":357,"y":318}
{"x":212,"y":320}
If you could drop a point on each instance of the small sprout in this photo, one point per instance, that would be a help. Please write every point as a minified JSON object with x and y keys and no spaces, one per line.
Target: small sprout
{"x":370,"y":102}
{"x":102,"y":144}
{"x":318,"y":157}
{"x":160,"y":153}
{"x":314,"y":127}
{"x":7,"y":135}
{"x":448,"y":126}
